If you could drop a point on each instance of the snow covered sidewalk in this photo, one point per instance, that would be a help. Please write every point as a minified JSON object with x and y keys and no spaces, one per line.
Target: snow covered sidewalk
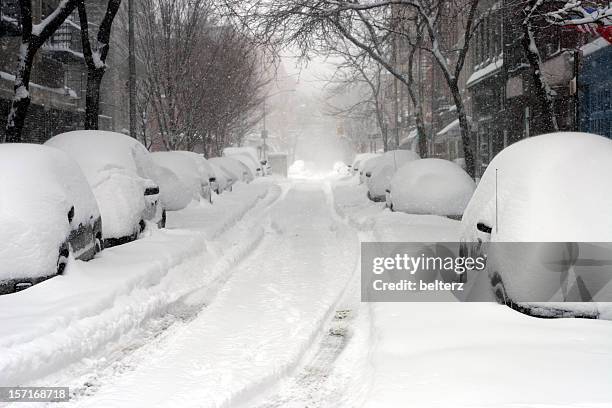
{"x":73,"y":318}
{"x":259,"y":325}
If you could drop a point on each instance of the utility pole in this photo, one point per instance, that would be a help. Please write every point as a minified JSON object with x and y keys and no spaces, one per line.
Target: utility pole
{"x":132,"y":68}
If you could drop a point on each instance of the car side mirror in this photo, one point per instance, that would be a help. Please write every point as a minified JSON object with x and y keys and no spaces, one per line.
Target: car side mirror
{"x":482,"y":227}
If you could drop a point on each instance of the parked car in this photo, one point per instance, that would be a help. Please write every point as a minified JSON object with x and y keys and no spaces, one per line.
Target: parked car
{"x":207,"y":173}
{"x":360,"y":159}
{"x":173,"y":194}
{"x":541,"y":216}
{"x":247,"y":156}
{"x":120,"y":171}
{"x":224,"y":179}
{"x":366,"y":166}
{"x":186,"y":169}
{"x":383,"y":168}
{"x":236,"y":168}
{"x":430,"y":186}
{"x":47,"y":212}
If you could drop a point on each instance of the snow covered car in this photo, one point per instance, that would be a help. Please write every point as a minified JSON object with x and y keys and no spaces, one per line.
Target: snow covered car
{"x":187,"y":170}
{"x":247,"y":156}
{"x":379,"y":176}
{"x":541,"y":216}
{"x":430,"y":186}
{"x":47,"y":211}
{"x":223,"y":178}
{"x":236,"y":168}
{"x":207,"y":173}
{"x":121,"y":174}
{"x":360,"y":159}
{"x":173,"y":194}
{"x":366,"y":166}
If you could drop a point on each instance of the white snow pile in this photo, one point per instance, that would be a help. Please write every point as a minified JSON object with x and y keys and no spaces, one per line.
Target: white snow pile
{"x":185,"y":169}
{"x":384,"y":169}
{"x":173,"y":194}
{"x":118,"y":168}
{"x":38,"y":187}
{"x":550,"y":188}
{"x":431,"y":186}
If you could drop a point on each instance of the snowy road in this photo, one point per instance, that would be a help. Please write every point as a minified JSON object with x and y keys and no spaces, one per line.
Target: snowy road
{"x":260,"y":325}
{"x":254,"y":303}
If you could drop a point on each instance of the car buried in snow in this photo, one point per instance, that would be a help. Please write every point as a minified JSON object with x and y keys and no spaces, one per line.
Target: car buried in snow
{"x":430,"y":186}
{"x":379,"y":174}
{"x":541,"y":217}
{"x":48,"y":212}
{"x":187,"y":170}
{"x":359,"y":160}
{"x":121,"y":173}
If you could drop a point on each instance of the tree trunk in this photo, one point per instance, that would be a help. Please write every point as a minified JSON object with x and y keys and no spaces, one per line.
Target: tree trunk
{"x":543,"y":92}
{"x":92,"y":98}
{"x":418,"y":121}
{"x":21,"y":99}
{"x":464,"y":124}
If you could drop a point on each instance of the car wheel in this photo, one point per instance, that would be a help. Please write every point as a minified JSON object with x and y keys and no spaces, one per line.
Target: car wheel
{"x":499,"y":290}
{"x":162,"y":221}
{"x":98,"y":244}
{"x":141,"y":225}
{"x":62,"y":260}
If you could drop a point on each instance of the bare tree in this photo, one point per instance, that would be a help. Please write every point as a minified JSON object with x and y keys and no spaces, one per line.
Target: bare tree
{"x":95,"y":58}
{"x":33,"y":36}
{"x":205,"y":78}
{"x":307,"y":24}
{"x":358,"y":75}
{"x":544,"y":93}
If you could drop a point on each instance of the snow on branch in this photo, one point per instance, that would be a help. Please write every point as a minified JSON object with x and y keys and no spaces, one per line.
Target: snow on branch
{"x":574,"y":13}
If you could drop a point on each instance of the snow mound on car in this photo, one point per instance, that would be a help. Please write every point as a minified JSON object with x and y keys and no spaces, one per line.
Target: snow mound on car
{"x":118,"y":168}
{"x":185,"y":169}
{"x":431,"y":186}
{"x":362,"y":158}
{"x":38,"y":187}
{"x":384,"y":168}
{"x":232,"y":167}
{"x":173,"y":194}
{"x":550,"y":188}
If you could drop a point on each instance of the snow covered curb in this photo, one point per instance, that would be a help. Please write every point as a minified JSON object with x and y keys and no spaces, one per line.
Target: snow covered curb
{"x":67,"y":318}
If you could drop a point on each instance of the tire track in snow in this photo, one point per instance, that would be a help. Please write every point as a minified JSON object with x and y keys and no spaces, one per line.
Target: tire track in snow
{"x":264,"y":320}
{"x":243,"y":236}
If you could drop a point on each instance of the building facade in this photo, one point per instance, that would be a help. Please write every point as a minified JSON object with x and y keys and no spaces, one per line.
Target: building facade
{"x":59,"y":75}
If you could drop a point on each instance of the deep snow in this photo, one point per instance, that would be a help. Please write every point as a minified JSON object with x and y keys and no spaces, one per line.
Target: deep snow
{"x":194,"y":327}
{"x":466,"y":354}
{"x":74,"y":317}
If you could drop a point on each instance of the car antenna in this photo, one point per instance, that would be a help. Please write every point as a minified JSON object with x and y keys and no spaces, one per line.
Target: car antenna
{"x":496,"y":222}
